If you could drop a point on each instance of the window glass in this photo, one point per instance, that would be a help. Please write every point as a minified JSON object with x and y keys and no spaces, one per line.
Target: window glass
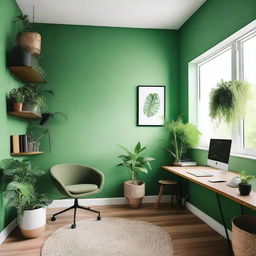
{"x":211,"y":73}
{"x":249,"y":71}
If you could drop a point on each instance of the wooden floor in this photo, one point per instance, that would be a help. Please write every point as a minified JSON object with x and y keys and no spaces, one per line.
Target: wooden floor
{"x":190,"y":236}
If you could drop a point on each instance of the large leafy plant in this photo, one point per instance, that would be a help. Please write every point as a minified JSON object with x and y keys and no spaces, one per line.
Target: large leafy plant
{"x":228,"y":100}
{"x":21,"y":191}
{"x":182,"y":137}
{"x":135,"y":162}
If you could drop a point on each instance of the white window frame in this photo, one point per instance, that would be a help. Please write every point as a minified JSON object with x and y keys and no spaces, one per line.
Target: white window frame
{"x":234,"y":42}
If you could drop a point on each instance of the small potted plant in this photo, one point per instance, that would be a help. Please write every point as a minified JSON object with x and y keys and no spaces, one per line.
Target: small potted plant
{"x":134,"y":189}
{"x":228,"y":100}
{"x":21,"y":193}
{"x":16,"y":99}
{"x":244,"y":186}
{"x":34,"y":134}
{"x":27,"y":38}
{"x":34,"y":98}
{"x":182,"y":137}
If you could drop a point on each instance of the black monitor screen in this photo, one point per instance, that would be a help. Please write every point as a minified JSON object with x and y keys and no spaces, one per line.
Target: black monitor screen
{"x":219,"y":150}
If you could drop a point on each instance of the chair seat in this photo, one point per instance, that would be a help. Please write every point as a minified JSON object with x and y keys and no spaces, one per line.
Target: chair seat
{"x":81,"y":188}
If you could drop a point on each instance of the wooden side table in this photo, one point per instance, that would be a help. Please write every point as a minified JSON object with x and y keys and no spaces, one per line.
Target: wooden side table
{"x":173,"y":185}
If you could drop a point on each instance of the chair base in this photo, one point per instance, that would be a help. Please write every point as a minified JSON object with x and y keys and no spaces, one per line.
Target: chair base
{"x":75,"y":206}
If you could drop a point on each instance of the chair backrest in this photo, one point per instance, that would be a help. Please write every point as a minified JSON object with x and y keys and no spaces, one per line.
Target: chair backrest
{"x":69,"y":174}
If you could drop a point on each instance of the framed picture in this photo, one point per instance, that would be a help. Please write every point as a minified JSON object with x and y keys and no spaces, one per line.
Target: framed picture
{"x":150,"y":105}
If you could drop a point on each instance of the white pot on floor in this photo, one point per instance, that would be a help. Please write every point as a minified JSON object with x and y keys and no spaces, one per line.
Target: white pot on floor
{"x":32,"y":222}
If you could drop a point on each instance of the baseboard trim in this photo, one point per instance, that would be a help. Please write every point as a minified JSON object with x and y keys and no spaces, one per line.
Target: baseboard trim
{"x":6,"y":232}
{"x":208,"y":220}
{"x":105,"y":201}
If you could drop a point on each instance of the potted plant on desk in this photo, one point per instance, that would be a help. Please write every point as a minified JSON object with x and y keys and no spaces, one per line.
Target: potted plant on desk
{"x":134,"y":189}
{"x":244,"y":186}
{"x":21,"y":193}
{"x":182,"y":137}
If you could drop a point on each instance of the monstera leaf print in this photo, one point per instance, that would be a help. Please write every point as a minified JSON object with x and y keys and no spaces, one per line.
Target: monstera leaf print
{"x":151,"y":104}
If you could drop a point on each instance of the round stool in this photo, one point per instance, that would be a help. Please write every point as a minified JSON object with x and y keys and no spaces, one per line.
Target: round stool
{"x":173,"y":185}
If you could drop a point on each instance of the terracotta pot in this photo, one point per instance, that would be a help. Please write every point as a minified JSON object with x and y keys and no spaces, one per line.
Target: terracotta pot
{"x":134,"y":193}
{"x":32,"y":223}
{"x":30,"y":41}
{"x":17,"y":106}
{"x":244,"y":235}
{"x":245,"y":189}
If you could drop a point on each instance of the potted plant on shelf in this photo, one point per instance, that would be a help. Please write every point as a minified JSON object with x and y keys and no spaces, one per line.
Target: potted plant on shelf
{"x":182,"y":137}
{"x":34,"y":134}
{"x":21,"y":193}
{"x":27,"y":38}
{"x":34,"y":98}
{"x":16,"y":99}
{"x":134,"y":189}
{"x":244,"y":186}
{"x":228,"y":100}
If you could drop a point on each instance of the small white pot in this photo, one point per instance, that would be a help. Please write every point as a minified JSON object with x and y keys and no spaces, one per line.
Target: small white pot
{"x":134,"y":193}
{"x":32,"y":222}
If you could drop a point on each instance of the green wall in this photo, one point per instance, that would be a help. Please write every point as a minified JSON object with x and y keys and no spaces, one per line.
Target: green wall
{"x":8,"y":124}
{"x":212,"y":23}
{"x":94,"y":72}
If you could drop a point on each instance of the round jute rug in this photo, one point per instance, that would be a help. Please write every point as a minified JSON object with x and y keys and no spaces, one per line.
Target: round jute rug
{"x":109,"y":237}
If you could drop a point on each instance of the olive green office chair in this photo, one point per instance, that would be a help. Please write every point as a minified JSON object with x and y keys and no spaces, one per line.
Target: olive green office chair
{"x":76,"y":181}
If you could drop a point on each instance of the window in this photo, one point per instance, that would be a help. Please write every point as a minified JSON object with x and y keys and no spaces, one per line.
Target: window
{"x":233,"y":59}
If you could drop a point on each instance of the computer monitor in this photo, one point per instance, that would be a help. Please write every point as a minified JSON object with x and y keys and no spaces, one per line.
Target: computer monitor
{"x":219,"y":152}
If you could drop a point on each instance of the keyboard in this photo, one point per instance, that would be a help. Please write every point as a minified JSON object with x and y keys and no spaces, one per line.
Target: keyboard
{"x":200,"y":173}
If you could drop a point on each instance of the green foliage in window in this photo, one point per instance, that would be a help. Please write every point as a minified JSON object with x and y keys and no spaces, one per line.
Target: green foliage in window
{"x":228,"y":100}
{"x":182,"y":137}
{"x":151,"y":105}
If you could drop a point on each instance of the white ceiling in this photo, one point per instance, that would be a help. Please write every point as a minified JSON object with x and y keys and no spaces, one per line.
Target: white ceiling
{"x":163,"y":14}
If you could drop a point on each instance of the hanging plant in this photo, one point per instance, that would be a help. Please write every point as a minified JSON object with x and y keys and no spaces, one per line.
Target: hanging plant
{"x":228,"y":100}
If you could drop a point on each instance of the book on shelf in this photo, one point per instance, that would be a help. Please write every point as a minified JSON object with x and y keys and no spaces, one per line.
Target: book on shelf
{"x":15,"y":144}
{"x":19,"y":143}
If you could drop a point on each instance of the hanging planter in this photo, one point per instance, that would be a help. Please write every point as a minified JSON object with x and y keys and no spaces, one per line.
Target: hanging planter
{"x":28,"y":39}
{"x":228,"y":101}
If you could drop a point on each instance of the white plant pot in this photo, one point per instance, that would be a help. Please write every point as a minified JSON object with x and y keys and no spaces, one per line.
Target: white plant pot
{"x":134,"y":193}
{"x":32,"y":222}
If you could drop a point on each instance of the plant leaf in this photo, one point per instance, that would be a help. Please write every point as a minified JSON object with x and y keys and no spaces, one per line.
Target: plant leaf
{"x":151,"y":104}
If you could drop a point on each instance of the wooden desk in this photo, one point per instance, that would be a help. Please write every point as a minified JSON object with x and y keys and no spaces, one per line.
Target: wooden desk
{"x":220,"y":187}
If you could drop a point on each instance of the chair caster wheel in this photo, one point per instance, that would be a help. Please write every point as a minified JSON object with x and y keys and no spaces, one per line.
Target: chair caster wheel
{"x":53,"y":218}
{"x":98,"y":218}
{"x":73,"y":226}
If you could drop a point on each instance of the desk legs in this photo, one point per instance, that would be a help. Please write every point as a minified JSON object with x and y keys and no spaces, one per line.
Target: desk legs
{"x":224,"y":224}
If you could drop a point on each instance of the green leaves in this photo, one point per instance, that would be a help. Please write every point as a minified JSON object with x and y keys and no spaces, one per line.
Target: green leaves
{"x":228,"y":100}
{"x":20,"y":191}
{"x":135,"y":161}
{"x":151,"y":104}
{"x":182,"y":137}
{"x":246,"y":178}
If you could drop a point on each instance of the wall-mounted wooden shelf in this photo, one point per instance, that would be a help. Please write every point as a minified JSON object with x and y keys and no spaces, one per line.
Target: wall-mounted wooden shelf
{"x":25,"y":114}
{"x":26,"y":153}
{"x":27,"y":74}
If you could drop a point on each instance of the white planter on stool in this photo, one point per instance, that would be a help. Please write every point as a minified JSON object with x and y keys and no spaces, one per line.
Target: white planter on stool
{"x":32,"y":222}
